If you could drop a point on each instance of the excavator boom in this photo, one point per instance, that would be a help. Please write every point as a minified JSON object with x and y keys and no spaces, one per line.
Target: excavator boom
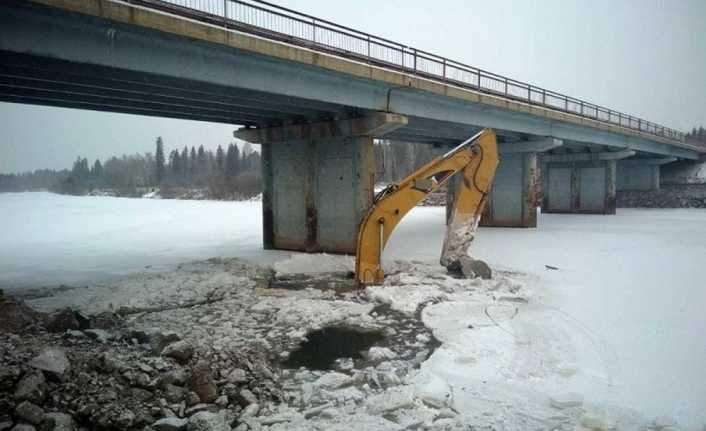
{"x":477,"y":157}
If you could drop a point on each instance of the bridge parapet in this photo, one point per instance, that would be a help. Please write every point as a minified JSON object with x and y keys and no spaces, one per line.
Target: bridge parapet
{"x":278,"y":23}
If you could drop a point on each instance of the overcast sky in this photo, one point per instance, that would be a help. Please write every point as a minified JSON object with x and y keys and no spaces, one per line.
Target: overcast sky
{"x":643,"y":57}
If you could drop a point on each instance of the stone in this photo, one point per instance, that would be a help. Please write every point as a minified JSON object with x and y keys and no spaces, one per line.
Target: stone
{"x":182,"y":351}
{"x":156,"y":338}
{"x":59,"y":422}
{"x":53,"y":362}
{"x":32,"y":387}
{"x":192,"y":399}
{"x":16,"y":315}
{"x":201,"y":407}
{"x":473,"y":268}
{"x":125,"y":419}
{"x":8,"y":376}
{"x":107,"y":395}
{"x":29,"y":412}
{"x":222,"y":401}
{"x":141,"y":394}
{"x":173,"y":394}
{"x":237,"y":376}
{"x":246,"y":397}
{"x":61,"y":321}
{"x":250,"y":411}
{"x":100,"y":335}
{"x":174,"y":377}
{"x":74,"y":334}
{"x":170,"y":424}
{"x":202,"y":382}
{"x":377,"y":354}
{"x":566,"y":401}
{"x":207,"y":421}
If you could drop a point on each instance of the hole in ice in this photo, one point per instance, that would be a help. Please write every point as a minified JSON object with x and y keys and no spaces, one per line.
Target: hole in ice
{"x":322,"y":347}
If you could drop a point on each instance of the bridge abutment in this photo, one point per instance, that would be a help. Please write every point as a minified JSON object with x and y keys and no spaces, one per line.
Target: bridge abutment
{"x":318,"y":181}
{"x":581,"y":183}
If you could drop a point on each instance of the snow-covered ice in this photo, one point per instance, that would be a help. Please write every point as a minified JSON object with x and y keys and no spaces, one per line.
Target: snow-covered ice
{"x":621,"y":322}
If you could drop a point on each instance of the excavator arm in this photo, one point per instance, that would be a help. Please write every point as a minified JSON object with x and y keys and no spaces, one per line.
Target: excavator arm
{"x":477,"y":157}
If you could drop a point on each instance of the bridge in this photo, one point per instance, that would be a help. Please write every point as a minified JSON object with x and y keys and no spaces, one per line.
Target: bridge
{"x":316,"y":94}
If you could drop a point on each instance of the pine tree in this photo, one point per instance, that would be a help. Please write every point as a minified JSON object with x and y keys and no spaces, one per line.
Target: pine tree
{"x":97,"y":170}
{"x":183,"y":174}
{"x":220,"y":160}
{"x":175,"y":164}
{"x":202,"y":161}
{"x":159,"y":161}
{"x":193,"y":164}
{"x":232,"y":161}
{"x":702,"y":135}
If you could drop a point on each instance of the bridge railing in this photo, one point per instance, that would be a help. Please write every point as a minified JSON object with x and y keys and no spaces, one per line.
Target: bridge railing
{"x":275,"y":22}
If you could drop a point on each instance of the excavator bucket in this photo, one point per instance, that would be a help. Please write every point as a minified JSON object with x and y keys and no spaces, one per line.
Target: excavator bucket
{"x":477,"y":157}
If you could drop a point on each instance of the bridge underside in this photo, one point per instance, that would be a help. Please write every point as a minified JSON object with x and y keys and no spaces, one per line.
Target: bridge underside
{"x":315,"y":190}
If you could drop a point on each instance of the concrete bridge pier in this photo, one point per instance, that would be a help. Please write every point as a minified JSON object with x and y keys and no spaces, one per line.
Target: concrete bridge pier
{"x":581,"y":183}
{"x":513,"y":198}
{"x":641,"y":174}
{"x":318,"y":180}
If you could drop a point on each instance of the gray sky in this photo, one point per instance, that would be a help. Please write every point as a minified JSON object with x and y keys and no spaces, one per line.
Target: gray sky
{"x":643,"y":57}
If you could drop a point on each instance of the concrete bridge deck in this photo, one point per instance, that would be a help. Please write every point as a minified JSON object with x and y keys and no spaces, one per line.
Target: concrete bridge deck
{"x":299,"y":85}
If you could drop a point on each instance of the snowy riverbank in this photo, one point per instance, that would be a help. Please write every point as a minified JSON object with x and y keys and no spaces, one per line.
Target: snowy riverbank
{"x":620,"y":322}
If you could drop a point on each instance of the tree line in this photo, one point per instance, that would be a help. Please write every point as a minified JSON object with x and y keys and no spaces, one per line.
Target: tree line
{"x":229,"y":173}
{"x":697,"y":136}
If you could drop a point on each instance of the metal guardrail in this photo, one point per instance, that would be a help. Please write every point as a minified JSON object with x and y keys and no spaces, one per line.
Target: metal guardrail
{"x":275,"y":22}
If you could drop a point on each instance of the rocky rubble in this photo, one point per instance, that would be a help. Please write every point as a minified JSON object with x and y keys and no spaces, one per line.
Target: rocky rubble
{"x":668,"y":196}
{"x":223,"y":345}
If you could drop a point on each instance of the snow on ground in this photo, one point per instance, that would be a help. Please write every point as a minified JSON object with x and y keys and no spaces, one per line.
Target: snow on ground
{"x":620,"y":323}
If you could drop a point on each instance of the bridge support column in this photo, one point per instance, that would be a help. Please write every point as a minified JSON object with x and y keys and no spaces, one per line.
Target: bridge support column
{"x":513,"y":198}
{"x":640,"y":174}
{"x":318,"y":181}
{"x":581,"y":183}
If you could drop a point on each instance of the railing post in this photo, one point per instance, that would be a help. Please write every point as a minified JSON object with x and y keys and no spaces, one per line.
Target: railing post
{"x":582,"y":107}
{"x":566,"y":103}
{"x":415,"y":59}
{"x":544,"y":96}
{"x":506,"y":86}
{"x":313,"y":27}
{"x":529,"y":93}
{"x":368,"y":49}
{"x":479,"y":86}
{"x":444,"y":70}
{"x":225,"y":14}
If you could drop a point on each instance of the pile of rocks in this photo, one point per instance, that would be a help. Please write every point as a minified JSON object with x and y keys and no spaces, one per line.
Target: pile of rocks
{"x":668,"y":196}
{"x":64,"y":371}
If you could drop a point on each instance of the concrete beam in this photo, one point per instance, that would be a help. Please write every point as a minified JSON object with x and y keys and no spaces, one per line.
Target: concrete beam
{"x":586,"y":157}
{"x":650,"y":161}
{"x":375,"y":125}
{"x":532,"y":146}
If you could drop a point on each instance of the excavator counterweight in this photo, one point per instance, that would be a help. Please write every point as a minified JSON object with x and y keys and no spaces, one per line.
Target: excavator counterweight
{"x":477,"y":157}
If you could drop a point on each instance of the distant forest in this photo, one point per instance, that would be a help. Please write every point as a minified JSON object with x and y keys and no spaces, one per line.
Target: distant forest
{"x":228,"y":173}
{"x":697,"y":136}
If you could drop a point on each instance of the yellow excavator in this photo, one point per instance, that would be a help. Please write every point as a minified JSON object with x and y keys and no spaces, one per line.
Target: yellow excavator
{"x":477,"y":157}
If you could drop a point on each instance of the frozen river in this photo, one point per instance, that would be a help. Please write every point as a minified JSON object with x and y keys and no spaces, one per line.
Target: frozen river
{"x":630,"y":289}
